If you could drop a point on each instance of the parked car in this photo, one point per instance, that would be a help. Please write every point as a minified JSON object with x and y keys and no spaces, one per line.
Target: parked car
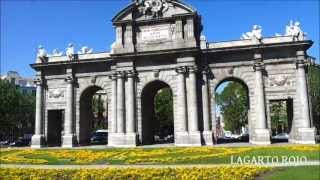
{"x":243,"y":138}
{"x":281,"y":137}
{"x":99,"y":137}
{"x":21,"y":142}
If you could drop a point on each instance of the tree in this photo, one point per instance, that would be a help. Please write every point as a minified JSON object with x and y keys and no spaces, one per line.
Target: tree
{"x":233,"y":102}
{"x":98,"y":110}
{"x":164,"y":110}
{"x":314,"y":92}
{"x":279,"y":119}
{"x":17,"y":111}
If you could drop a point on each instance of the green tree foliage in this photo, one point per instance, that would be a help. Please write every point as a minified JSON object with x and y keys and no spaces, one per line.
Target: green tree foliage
{"x":233,"y":102}
{"x":164,"y":110}
{"x":17,"y":111}
{"x":314,"y":92}
{"x":279,"y":119}
{"x":99,"y":121}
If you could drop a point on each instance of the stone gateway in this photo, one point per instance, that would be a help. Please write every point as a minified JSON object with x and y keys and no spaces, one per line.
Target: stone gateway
{"x":159,"y":44}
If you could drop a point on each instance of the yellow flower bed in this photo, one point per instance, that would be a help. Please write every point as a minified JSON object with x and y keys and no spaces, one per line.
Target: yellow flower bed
{"x":136,"y":155}
{"x":304,"y":148}
{"x":223,"y":173}
{"x":18,"y":157}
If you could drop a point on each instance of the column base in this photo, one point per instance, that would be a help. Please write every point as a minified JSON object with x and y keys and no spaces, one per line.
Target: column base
{"x":305,"y":136}
{"x":188,"y":139}
{"x":122,"y":140}
{"x":207,"y":137}
{"x":37,"y":141}
{"x":261,"y":137}
{"x":69,"y":141}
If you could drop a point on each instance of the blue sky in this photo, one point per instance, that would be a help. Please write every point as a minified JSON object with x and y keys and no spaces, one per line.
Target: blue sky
{"x":54,"y":23}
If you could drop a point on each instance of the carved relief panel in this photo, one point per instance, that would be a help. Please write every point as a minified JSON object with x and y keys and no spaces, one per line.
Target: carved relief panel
{"x":280,"y":80}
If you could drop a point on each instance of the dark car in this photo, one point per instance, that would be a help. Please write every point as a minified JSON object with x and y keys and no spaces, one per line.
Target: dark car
{"x":243,"y":138}
{"x":99,"y":138}
{"x":22,"y":142}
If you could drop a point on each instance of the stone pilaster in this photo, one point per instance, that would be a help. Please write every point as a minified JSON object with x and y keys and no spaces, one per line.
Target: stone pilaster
{"x":207,"y":133}
{"x":305,"y":134}
{"x":38,"y":137}
{"x":261,"y":133}
{"x":69,"y":139}
{"x":179,"y":29}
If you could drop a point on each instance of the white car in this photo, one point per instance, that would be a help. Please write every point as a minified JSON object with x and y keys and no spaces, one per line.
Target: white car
{"x":281,"y":136}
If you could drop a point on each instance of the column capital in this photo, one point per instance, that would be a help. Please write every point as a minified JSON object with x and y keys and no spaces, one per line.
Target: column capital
{"x":113,"y":76}
{"x":301,"y":63}
{"x":193,"y":69}
{"x":39,"y":81}
{"x":259,"y":66}
{"x":70,"y":79}
{"x":206,"y":71}
{"x":131,"y":74}
{"x":181,"y":70}
{"x":121,"y":74}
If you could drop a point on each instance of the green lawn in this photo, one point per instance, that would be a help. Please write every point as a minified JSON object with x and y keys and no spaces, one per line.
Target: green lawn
{"x":191,"y":155}
{"x":294,"y":173}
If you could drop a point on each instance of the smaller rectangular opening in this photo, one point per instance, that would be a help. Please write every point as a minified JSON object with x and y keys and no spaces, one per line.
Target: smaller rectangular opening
{"x":55,"y":127}
{"x":281,"y":112}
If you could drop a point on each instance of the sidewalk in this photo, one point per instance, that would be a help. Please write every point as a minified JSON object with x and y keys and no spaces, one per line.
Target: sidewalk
{"x":309,"y":163}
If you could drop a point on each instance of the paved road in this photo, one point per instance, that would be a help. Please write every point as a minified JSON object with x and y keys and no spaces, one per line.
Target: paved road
{"x":309,"y":163}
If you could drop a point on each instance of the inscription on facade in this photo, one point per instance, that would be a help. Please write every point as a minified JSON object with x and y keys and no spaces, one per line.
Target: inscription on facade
{"x":155,"y":33}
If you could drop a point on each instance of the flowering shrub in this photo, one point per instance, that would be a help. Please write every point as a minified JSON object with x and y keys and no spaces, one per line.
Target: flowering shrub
{"x":223,"y":173}
{"x":136,"y":155}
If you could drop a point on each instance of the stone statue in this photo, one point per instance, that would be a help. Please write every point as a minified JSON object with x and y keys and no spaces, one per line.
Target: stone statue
{"x":113,"y":45}
{"x":153,"y":7}
{"x":41,"y":55}
{"x":294,"y":30}
{"x":85,"y":50}
{"x":56,"y":52}
{"x":255,"y":34}
{"x":70,"y":52}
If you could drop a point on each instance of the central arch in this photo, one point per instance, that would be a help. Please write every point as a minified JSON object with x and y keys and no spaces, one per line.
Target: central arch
{"x":151,"y":127}
{"x":237,"y":95}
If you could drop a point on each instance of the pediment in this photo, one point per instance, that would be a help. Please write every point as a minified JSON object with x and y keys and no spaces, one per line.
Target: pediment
{"x":152,"y":9}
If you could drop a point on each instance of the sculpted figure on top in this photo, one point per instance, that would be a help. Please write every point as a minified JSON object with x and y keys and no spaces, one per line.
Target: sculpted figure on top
{"x":155,"y":8}
{"x":294,"y":30}
{"x":255,"y":34}
{"x":42,"y":54}
{"x":70,"y":52}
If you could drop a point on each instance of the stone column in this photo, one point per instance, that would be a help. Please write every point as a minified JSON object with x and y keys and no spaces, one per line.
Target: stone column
{"x":38,"y":137}
{"x":193,"y":109}
{"x":68,"y":139}
{"x":207,"y":133}
{"x":181,"y":134}
{"x":114,"y":103}
{"x":120,"y":103}
{"x":261,"y":109}
{"x":131,"y":103}
{"x":193,"y":121}
{"x":182,"y":101}
{"x":262,"y":134}
{"x":303,"y":94}
{"x":306,"y":134}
